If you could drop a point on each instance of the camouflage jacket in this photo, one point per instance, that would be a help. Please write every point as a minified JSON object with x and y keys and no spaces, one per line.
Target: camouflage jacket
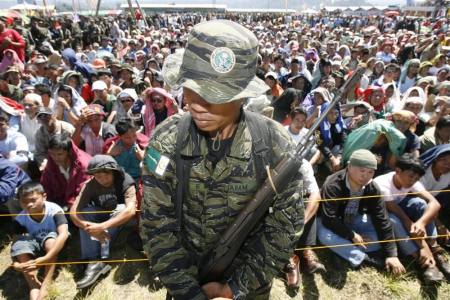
{"x":215,"y":197}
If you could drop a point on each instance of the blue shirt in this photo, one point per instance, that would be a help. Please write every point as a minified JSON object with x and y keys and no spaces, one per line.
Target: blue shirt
{"x":129,"y":162}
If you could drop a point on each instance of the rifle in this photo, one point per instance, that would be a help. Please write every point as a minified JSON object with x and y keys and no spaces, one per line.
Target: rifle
{"x":226,"y":249}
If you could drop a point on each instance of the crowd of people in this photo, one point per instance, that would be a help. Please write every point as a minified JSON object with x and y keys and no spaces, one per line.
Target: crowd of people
{"x":81,"y":99}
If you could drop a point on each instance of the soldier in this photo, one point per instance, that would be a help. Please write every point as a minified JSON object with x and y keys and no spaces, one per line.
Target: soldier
{"x":213,"y":147}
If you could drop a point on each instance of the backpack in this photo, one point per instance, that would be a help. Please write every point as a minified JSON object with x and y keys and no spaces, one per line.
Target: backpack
{"x":262,"y":155}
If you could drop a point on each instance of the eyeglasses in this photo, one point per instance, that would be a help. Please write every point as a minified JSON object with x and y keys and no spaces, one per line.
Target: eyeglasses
{"x":126,"y":100}
{"x":43,"y":116}
{"x":157,"y":100}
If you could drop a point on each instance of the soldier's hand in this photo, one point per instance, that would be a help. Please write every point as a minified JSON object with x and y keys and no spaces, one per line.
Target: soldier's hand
{"x":215,"y":290}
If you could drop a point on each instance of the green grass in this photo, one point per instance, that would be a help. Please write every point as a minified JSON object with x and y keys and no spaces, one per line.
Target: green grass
{"x":134,"y":281}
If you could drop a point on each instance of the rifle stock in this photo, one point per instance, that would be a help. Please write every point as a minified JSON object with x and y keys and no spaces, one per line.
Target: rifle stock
{"x":227,"y":248}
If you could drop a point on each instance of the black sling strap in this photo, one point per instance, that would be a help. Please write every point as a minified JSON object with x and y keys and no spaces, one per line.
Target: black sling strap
{"x":261,"y":155}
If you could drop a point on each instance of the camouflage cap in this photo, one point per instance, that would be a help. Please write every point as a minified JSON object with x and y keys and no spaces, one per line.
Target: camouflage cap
{"x":219,"y":63}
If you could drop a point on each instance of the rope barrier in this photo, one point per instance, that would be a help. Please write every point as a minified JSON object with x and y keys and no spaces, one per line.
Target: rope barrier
{"x":126,"y":260}
{"x":321,"y":200}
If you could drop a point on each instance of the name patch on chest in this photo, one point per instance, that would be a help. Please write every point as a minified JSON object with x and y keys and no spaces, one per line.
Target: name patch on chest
{"x":156,"y":162}
{"x":241,"y":188}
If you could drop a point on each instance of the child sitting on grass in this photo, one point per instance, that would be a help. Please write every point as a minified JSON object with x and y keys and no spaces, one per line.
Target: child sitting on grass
{"x":43,"y":231}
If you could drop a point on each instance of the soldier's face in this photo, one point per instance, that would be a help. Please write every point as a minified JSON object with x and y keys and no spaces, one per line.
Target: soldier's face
{"x":211,"y":117}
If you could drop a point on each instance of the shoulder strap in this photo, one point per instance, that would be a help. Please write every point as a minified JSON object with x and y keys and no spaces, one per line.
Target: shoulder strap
{"x":261,"y":144}
{"x":182,"y":167}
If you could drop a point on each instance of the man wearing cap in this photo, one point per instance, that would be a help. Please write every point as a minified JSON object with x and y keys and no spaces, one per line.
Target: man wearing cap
{"x":50,"y":126}
{"x":12,"y":75}
{"x":104,"y":99}
{"x":360,"y":216}
{"x":222,"y":180}
{"x":91,"y":130}
{"x":110,"y":189}
{"x":106,"y":76}
{"x":129,"y":81}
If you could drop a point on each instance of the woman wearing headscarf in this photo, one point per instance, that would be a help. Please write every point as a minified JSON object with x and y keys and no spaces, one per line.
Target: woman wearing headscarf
{"x":159,"y":105}
{"x":409,"y":74}
{"x":313,"y":102}
{"x":332,"y":134}
{"x":125,"y":103}
{"x":377,"y":71}
{"x":303,"y":69}
{"x":375,"y":96}
{"x":424,"y":69}
{"x":68,"y":104}
{"x":10,"y":58}
{"x":344,"y":51}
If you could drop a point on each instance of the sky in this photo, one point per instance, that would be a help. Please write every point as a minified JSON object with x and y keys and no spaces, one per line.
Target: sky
{"x":8,"y":3}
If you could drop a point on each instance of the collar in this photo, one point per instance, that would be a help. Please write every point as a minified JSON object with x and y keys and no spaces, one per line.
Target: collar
{"x":347,"y":184}
{"x":240,"y":148}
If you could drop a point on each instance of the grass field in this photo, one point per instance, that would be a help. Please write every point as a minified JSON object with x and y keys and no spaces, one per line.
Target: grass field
{"x":134,"y":281}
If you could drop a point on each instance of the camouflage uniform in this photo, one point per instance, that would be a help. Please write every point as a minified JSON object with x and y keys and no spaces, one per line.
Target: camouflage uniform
{"x":216,"y":194}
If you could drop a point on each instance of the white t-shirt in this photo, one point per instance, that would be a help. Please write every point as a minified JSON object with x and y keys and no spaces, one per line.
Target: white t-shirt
{"x":431,"y":184}
{"x":296,"y":137}
{"x":390,"y":192}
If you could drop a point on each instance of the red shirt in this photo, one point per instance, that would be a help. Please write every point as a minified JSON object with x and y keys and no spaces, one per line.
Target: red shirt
{"x":15,"y":37}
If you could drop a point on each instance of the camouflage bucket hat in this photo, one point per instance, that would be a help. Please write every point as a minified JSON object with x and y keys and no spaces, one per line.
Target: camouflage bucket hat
{"x":219,"y":63}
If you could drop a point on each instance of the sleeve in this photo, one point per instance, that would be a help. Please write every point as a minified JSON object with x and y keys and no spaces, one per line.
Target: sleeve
{"x":268,"y":248}
{"x":383,"y":225}
{"x":324,"y":149}
{"x":330,"y":210}
{"x":60,"y":219}
{"x":8,"y":183}
{"x":18,"y":39}
{"x":169,"y":259}
{"x":40,"y":154}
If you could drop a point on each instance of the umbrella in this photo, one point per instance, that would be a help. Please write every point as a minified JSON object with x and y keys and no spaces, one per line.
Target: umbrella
{"x":391,"y":13}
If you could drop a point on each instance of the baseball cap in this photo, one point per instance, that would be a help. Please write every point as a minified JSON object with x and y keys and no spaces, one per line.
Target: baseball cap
{"x":44,"y":110}
{"x":95,"y":109}
{"x":219,"y":63}
{"x":271,"y":74}
{"x":98,"y":63}
{"x":363,"y":158}
{"x":99,"y":85}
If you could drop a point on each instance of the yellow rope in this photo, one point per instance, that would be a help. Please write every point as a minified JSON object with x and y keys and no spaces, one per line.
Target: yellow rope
{"x":126,"y":260}
{"x":138,"y":210}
